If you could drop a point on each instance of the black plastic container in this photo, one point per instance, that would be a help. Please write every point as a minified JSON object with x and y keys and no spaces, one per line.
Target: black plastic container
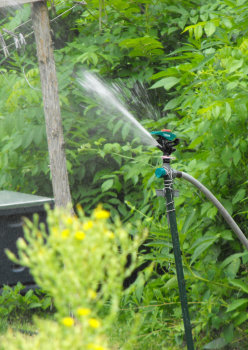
{"x":13,"y":207}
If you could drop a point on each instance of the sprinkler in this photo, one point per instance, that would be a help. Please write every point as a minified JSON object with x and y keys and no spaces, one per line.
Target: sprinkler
{"x":166,"y":143}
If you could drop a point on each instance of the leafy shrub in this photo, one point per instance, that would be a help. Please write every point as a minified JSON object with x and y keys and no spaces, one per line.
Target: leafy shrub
{"x":13,"y":304}
{"x":81,"y":263}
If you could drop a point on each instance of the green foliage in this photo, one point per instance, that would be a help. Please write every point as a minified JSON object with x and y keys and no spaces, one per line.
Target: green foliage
{"x":82,"y":264}
{"x":15,"y":305}
{"x":192,"y":59}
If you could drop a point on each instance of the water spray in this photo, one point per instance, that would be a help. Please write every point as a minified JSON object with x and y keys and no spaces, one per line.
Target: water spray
{"x":166,"y":143}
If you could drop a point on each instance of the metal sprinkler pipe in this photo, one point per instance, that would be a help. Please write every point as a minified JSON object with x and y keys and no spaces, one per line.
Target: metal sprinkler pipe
{"x":167,"y":141}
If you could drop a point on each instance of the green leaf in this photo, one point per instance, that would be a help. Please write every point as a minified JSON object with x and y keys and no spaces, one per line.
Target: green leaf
{"x":3,"y":311}
{"x":34,"y":305}
{"x":159,"y":243}
{"x":239,"y":284}
{"x":236,"y":64}
{"x":236,"y":156}
{"x":167,"y":83}
{"x":239,"y":196}
{"x":231,"y":85}
{"x":227,"y":111}
{"x":226,"y":156}
{"x":29,"y":294}
{"x":236,"y":304}
{"x":38,"y":135}
{"x":46,"y":302}
{"x":209,"y":28}
{"x":227,"y":235}
{"x":107,"y":185}
{"x":205,"y":238}
{"x":171,"y":283}
{"x":29,"y":139}
{"x":242,"y":317}
{"x":228,"y":332}
{"x":200,"y":249}
{"x":196,"y":142}
{"x":216,"y":344}
{"x":172,"y":104}
{"x":211,"y":213}
{"x":232,"y":269}
{"x":189,"y":220}
{"x":198,"y":32}
{"x":245,"y":258}
{"x":114,"y":201}
{"x":117,"y":126}
{"x":125,"y":131}
{"x":7,"y":146}
{"x":203,"y":62}
{"x":216,"y":321}
{"x":231,"y":258}
{"x":241,"y":111}
{"x":205,"y":207}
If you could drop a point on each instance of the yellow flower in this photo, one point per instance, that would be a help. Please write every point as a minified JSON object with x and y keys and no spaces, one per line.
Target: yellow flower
{"x":92,"y":294}
{"x":65,"y":233}
{"x":102,"y":214}
{"x":87,"y":225}
{"x":94,"y":323}
{"x":95,"y":347}
{"x":68,"y":321}
{"x":83,"y":311}
{"x":80,"y":235}
{"x":79,"y":207}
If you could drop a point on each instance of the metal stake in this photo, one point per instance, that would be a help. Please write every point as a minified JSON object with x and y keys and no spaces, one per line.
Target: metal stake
{"x":166,"y":143}
{"x":168,"y":182}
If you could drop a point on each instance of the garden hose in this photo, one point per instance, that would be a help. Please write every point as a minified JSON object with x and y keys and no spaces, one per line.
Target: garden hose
{"x":219,"y":206}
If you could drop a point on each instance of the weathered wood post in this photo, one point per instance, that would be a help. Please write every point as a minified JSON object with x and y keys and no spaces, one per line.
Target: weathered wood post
{"x":50,"y":93}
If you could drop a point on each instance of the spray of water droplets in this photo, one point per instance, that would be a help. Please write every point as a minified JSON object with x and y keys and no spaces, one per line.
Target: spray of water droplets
{"x":113,"y":102}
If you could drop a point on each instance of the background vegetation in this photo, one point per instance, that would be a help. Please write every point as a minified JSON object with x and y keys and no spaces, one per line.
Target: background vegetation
{"x":190,"y":60}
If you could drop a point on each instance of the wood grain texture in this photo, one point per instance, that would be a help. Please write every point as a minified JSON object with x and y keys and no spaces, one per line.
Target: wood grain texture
{"x":50,"y":92}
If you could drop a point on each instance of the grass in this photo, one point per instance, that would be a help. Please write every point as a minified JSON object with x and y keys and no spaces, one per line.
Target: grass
{"x":120,"y":335}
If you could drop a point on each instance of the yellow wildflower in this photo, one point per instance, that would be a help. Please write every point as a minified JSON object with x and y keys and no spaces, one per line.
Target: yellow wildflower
{"x":68,"y":321}
{"x":94,"y":323}
{"x":65,"y":233}
{"x":87,"y":225}
{"x":92,"y":294}
{"x":101,"y":214}
{"x":95,"y":347}
{"x":83,"y":311}
{"x":80,"y":235}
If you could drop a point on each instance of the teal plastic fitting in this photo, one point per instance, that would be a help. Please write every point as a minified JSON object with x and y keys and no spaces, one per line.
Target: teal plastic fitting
{"x":160,"y":172}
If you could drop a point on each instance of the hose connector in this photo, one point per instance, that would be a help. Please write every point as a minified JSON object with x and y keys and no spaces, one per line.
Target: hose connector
{"x":160,"y":172}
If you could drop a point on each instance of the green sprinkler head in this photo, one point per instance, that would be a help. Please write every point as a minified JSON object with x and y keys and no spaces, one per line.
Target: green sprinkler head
{"x":166,"y":140}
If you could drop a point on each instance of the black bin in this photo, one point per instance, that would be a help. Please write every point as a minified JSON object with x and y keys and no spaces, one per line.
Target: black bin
{"x":13,"y":207}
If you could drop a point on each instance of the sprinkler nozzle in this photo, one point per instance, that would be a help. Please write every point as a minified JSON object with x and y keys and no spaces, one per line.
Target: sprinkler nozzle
{"x":166,"y":141}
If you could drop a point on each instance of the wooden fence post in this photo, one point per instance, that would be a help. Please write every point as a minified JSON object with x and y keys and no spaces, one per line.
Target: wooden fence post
{"x":50,"y":93}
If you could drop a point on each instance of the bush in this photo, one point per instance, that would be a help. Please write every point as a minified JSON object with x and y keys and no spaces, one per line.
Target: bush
{"x":81,"y":263}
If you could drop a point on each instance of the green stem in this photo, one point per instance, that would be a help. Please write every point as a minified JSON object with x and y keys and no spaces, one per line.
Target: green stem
{"x":147,"y":16}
